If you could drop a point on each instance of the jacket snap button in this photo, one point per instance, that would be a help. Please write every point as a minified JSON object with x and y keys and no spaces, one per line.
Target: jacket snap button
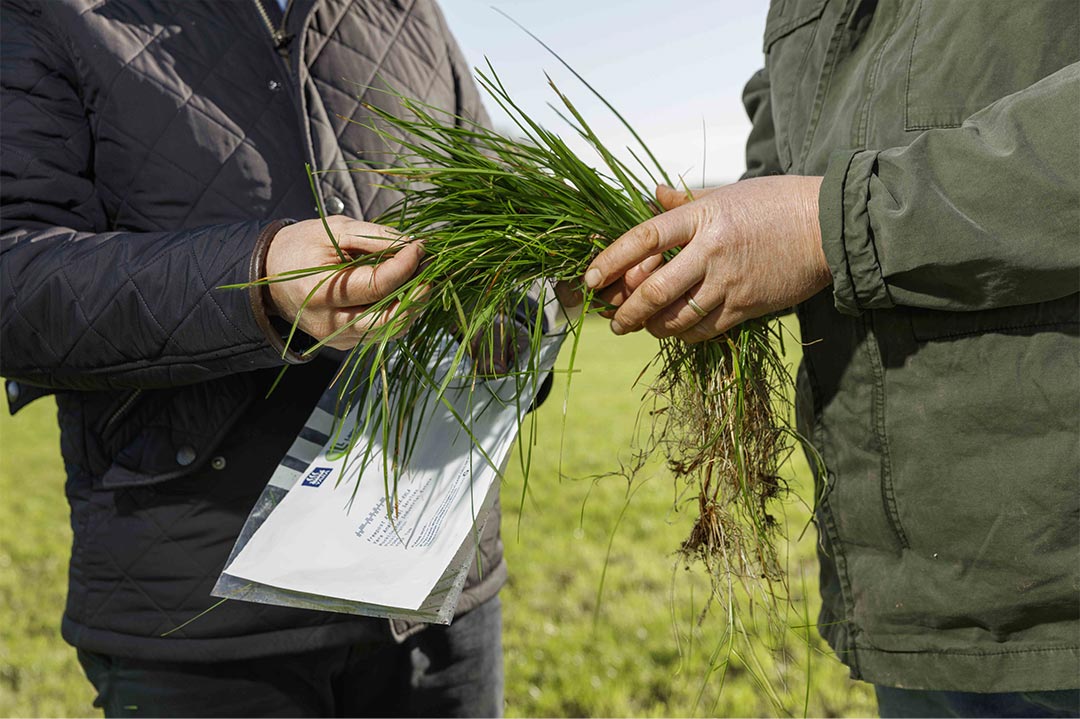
{"x":13,"y":391}
{"x":334,"y":205}
{"x":274,"y":85}
{"x":185,"y":455}
{"x":218,"y":463}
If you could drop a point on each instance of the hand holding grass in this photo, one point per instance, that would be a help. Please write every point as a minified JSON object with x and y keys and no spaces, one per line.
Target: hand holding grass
{"x":746,"y":250}
{"x":500,"y":215}
{"x":328,"y":301}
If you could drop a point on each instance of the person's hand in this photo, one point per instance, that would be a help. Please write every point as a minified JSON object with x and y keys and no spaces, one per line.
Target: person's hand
{"x":618,"y":291}
{"x":502,"y":351}
{"x":747,"y":249}
{"x":347,"y":294}
{"x":569,"y":294}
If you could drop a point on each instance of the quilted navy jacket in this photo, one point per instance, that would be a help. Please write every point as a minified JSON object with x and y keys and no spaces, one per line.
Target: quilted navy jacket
{"x":146,"y":147}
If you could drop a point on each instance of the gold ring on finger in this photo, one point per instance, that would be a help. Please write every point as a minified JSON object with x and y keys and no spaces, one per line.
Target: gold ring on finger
{"x":696,"y":307}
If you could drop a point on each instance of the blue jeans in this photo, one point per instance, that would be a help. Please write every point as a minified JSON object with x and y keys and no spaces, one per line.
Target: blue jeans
{"x":917,"y":703}
{"x":451,"y":671}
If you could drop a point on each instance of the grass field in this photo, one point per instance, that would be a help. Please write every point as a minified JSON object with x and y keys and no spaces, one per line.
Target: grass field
{"x":643,"y":650}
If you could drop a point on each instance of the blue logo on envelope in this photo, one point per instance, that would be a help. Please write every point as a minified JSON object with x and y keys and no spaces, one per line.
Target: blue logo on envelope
{"x":317,"y":476}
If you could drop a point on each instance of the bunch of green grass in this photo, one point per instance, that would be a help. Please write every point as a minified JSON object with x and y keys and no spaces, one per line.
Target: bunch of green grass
{"x":500,"y":216}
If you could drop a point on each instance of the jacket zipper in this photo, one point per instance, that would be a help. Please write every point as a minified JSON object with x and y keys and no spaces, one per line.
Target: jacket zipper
{"x":121,"y":411}
{"x":278,"y":35}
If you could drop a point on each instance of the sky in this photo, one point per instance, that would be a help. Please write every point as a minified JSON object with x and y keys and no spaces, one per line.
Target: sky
{"x":674,"y":70}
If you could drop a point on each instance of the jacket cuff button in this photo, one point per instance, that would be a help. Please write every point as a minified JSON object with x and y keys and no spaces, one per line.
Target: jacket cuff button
{"x":218,"y":463}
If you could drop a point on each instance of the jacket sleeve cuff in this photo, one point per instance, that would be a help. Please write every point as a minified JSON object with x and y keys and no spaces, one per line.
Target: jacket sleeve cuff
{"x":847,"y":235}
{"x":260,"y":296}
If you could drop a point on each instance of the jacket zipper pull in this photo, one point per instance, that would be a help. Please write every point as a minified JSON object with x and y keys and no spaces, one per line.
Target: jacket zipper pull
{"x":280,"y":38}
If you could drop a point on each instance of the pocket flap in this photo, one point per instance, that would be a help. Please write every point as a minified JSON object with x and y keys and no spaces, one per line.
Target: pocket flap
{"x":171,"y":439}
{"x":1062,"y":314}
{"x":786,"y":17}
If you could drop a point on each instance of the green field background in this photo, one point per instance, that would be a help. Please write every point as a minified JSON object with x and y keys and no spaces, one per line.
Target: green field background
{"x":647,"y":645}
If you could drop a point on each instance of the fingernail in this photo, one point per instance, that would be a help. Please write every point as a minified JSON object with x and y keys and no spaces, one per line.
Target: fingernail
{"x":617,"y":328}
{"x":592,"y":279}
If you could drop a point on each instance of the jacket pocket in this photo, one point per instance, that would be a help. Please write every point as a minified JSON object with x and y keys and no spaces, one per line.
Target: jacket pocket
{"x":113,"y":421}
{"x":966,"y":56}
{"x":160,"y":435}
{"x":929,"y":325}
{"x":787,"y":16}
{"x":791,"y":29}
{"x":982,"y":428}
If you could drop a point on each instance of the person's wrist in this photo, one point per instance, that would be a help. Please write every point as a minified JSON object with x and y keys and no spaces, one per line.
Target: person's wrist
{"x":268,"y":268}
{"x":263,"y":306}
{"x":269,"y":304}
{"x":811,"y":190}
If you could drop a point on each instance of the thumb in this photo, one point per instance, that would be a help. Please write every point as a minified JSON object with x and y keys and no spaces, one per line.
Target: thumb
{"x":670,"y":198}
{"x":370,"y":283}
{"x":364,"y":238}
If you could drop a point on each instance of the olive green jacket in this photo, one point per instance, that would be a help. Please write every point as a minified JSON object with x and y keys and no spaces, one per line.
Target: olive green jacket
{"x":941,"y":381}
